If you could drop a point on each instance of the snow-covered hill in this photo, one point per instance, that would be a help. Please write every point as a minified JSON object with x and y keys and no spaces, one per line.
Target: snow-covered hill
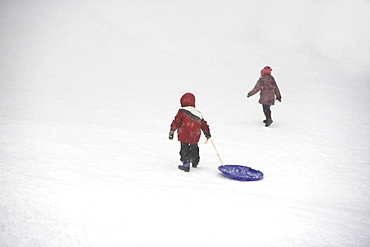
{"x":88,"y":90}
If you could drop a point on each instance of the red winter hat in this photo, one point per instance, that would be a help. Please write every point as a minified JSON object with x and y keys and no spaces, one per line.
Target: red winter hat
{"x":266,"y":71}
{"x":188,"y":99}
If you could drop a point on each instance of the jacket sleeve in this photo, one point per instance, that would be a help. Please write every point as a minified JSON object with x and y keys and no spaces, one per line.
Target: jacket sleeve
{"x":256,"y":88}
{"x":176,"y":123}
{"x":277,"y":91}
{"x":205,"y":128}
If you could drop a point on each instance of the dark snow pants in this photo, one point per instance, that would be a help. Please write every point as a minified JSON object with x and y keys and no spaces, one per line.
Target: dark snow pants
{"x":189,"y":153}
{"x":266,"y":108}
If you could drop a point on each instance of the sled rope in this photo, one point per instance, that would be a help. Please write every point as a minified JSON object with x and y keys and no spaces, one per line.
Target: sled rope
{"x":222,"y":163}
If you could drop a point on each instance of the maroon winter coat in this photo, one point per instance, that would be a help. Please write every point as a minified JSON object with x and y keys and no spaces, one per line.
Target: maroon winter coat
{"x":269,"y":89}
{"x":189,"y":121}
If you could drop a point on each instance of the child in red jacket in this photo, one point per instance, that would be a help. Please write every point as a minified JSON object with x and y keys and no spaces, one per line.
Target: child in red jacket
{"x":188,"y":122}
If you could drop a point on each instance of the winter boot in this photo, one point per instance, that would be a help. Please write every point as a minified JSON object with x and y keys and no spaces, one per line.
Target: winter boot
{"x":264,"y":121}
{"x":185,"y":167}
{"x":268,"y":119}
{"x":194,"y":165}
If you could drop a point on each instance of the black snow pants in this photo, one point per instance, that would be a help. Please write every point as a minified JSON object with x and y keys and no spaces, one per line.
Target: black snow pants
{"x":189,"y":153}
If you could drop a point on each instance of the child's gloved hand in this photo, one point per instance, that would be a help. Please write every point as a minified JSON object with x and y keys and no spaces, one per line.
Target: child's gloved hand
{"x":170,"y":135}
{"x":208,"y":135}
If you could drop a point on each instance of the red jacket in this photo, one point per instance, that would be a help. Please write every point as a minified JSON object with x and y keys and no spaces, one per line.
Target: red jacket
{"x":189,"y":121}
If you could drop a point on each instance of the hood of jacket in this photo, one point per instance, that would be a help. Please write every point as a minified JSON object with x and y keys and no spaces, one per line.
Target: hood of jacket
{"x":187,"y":99}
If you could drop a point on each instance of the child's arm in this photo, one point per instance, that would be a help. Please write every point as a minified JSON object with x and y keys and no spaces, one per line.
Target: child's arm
{"x":256,"y":88}
{"x":176,"y":123}
{"x":277,"y":92}
{"x":205,"y":128}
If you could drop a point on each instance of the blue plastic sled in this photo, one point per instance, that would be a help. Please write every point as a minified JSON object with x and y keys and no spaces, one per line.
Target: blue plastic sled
{"x":243,"y":173}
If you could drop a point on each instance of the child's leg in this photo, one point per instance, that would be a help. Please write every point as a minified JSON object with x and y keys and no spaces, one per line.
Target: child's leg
{"x":194,"y":154}
{"x":267,"y":112}
{"x":185,"y":152}
{"x":266,"y":108}
{"x":185,"y":157}
{"x":189,"y":153}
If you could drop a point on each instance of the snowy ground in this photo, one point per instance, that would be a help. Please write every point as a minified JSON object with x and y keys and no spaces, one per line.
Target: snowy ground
{"x":88,"y":90}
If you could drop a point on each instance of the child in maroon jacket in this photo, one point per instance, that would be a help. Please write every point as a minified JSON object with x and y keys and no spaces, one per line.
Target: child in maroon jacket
{"x":188,"y":122}
{"x":266,"y":84}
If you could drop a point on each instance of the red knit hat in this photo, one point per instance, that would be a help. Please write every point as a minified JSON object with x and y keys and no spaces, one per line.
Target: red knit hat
{"x":188,"y":99}
{"x":266,"y":71}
